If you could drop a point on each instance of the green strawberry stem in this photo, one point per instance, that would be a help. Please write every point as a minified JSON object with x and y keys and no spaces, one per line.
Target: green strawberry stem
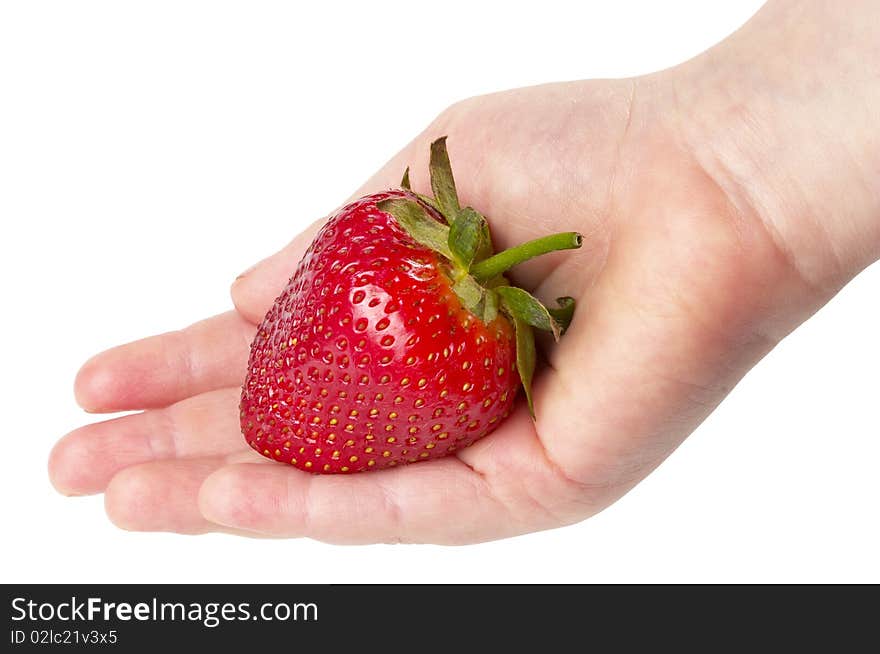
{"x":498,"y":263}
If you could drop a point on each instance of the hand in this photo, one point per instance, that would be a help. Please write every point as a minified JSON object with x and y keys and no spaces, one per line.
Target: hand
{"x":698,"y":258}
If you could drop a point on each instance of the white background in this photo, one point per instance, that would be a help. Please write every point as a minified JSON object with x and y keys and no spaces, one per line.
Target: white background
{"x":150,"y":151}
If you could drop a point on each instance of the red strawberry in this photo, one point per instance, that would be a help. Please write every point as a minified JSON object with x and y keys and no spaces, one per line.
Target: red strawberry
{"x":398,"y":339}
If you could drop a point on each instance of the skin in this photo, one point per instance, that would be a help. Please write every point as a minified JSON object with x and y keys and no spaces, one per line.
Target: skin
{"x":722,"y":203}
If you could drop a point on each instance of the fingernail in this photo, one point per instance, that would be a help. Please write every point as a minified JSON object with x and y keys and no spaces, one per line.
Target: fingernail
{"x":247,"y":271}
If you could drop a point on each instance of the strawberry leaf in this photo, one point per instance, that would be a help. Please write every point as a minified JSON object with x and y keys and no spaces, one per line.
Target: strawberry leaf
{"x":525,"y":307}
{"x":490,"y":306}
{"x":442,"y":181}
{"x":564,"y":313}
{"x":404,"y":183}
{"x":479,"y":300}
{"x":525,"y":358}
{"x":429,"y":202}
{"x":469,"y":238}
{"x":415,"y":221}
{"x":470,"y":293}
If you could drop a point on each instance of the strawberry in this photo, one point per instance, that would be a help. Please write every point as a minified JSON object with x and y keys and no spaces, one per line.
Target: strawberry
{"x":398,"y":339}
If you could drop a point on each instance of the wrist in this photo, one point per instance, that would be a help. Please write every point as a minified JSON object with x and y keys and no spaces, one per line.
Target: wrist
{"x":783,"y":116}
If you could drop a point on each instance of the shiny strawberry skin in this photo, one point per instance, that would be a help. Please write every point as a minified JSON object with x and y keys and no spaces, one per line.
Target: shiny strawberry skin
{"x":368,"y":359}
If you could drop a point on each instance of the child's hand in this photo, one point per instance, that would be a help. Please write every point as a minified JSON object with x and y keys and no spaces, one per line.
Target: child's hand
{"x":721,"y":203}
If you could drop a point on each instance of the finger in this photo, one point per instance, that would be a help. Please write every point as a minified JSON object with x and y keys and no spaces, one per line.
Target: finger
{"x":442,"y":501}
{"x":439,"y":501}
{"x":159,"y":370}
{"x":86,"y":459}
{"x":161,"y":496}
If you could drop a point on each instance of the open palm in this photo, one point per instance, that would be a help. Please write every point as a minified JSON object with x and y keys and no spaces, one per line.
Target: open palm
{"x":673,"y":286}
